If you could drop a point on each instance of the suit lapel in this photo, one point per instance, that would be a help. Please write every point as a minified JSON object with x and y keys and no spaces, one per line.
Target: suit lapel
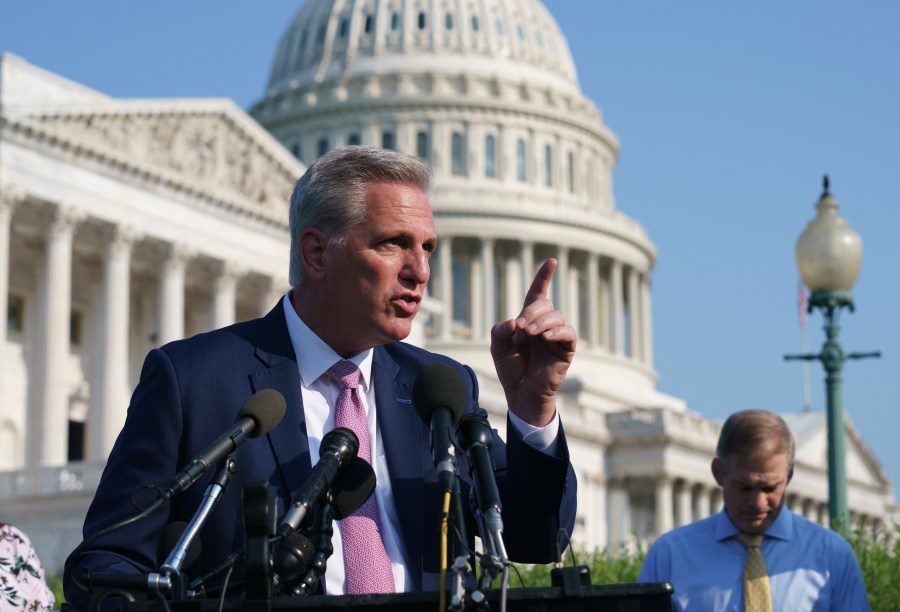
{"x":402,"y":437}
{"x":288,"y":440}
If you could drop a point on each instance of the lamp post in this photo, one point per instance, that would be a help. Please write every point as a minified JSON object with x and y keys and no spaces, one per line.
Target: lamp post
{"x":829,"y":256}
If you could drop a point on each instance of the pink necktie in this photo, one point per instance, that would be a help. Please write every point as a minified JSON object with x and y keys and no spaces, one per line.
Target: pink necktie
{"x":366,"y":563}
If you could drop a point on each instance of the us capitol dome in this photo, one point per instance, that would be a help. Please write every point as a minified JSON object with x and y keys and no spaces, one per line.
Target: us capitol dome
{"x":487,"y":92}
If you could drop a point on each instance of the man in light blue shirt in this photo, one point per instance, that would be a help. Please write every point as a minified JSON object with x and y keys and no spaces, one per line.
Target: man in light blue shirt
{"x":809,"y":567}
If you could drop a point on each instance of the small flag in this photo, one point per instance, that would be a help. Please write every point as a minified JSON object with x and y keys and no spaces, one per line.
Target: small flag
{"x":801,"y":304}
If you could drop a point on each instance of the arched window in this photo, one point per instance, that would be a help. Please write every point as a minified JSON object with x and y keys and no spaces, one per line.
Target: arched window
{"x":353,"y":139}
{"x":323,"y":146}
{"x":475,"y":25}
{"x":421,"y":20}
{"x":387,"y":140}
{"x":344,"y":26}
{"x":395,"y":21}
{"x":548,"y":166}
{"x":521,"y":174}
{"x":296,"y":150}
{"x":490,"y":156}
{"x":448,"y":21}
{"x":422,"y":145}
{"x":368,"y":26}
{"x":457,"y":155}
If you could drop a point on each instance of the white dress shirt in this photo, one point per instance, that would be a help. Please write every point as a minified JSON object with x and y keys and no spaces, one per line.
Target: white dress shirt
{"x":319,"y":393}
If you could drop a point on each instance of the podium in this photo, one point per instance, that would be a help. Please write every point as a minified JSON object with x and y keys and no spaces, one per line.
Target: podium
{"x":651,"y":597}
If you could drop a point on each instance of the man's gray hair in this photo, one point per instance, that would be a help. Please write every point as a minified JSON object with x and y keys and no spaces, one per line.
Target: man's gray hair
{"x":330,"y":196}
{"x":749,"y":432}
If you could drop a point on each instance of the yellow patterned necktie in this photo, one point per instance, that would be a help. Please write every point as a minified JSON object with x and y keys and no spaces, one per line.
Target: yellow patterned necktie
{"x":757,"y":594}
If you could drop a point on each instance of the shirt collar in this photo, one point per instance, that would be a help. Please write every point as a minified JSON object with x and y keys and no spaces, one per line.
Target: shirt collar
{"x":314,"y":356}
{"x":781,"y":529}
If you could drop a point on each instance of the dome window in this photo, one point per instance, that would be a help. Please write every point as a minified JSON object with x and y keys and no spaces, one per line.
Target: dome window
{"x":521,"y":175}
{"x":342,"y":29}
{"x":521,"y":31}
{"x":498,"y":25}
{"x":320,"y":35}
{"x":448,"y":21}
{"x":303,"y":38}
{"x":296,"y":150}
{"x":368,"y":26}
{"x":353,"y":139}
{"x":475,"y":25}
{"x":387,"y":140}
{"x":539,"y":39}
{"x":457,"y":155}
{"x":422,"y":145}
{"x":490,"y":156}
{"x":421,"y":20}
{"x":323,"y":146}
{"x":395,"y":21}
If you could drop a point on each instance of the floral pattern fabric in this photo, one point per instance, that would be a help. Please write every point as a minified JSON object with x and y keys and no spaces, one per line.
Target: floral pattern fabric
{"x":22,"y":583}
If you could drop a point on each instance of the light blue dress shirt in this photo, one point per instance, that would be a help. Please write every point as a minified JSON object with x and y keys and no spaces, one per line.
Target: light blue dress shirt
{"x":810,"y":568}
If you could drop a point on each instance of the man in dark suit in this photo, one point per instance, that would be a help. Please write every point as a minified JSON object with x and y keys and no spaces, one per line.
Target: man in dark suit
{"x":362,"y":234}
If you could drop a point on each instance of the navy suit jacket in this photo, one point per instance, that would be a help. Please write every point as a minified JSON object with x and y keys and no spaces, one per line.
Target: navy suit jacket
{"x":190,"y":391}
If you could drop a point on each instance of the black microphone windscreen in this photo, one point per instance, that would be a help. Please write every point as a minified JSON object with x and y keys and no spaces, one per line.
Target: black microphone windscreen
{"x":169,"y":539}
{"x":352,"y":487}
{"x":266,"y":408}
{"x":439,"y":385}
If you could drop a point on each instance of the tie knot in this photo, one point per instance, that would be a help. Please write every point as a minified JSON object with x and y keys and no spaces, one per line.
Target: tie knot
{"x":751,"y":540}
{"x":345,"y":374}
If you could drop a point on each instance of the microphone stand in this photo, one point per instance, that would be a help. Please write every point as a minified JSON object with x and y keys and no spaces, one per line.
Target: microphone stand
{"x":322,"y":531}
{"x":461,"y":567}
{"x":174,"y":562}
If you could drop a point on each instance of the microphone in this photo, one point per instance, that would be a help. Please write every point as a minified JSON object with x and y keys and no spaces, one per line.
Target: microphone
{"x":354,"y":484}
{"x":339,"y":446}
{"x":474,"y":437}
{"x":259,"y":415}
{"x":352,"y":487}
{"x":439,"y":396}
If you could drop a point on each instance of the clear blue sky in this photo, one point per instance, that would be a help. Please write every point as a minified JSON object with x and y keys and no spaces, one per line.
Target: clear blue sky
{"x":728,"y":115}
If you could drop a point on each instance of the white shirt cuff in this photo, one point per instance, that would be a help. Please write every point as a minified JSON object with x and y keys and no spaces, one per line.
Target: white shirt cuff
{"x":544,"y":439}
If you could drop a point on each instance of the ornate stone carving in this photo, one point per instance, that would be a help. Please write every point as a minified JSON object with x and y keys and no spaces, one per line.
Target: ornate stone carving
{"x":207,"y":148}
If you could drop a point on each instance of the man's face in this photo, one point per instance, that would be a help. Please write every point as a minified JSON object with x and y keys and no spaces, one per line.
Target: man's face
{"x":376,"y":280}
{"x":753,"y":488}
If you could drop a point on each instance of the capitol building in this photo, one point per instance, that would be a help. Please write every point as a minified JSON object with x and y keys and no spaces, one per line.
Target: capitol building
{"x":125,"y":224}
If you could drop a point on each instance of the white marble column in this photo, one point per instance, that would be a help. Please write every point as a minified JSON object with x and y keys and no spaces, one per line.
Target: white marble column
{"x":617,"y":344}
{"x":527,"y":266}
{"x":274,"y":289}
{"x":476,"y":298}
{"x":701,"y":503}
{"x":560,"y":296}
{"x":619,"y":514}
{"x":445,"y":263}
{"x":48,"y":417}
{"x":634,"y":316}
{"x":224,"y":305}
{"x":489,"y":304}
{"x":646,"y":321}
{"x":171,"y":294}
{"x":593,"y":289}
{"x":684,"y":510}
{"x":515,"y":293}
{"x":114,"y":387}
{"x":664,"y":514}
{"x":10,"y":198}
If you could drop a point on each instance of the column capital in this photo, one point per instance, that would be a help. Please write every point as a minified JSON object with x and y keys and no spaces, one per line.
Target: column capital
{"x":177,"y":253}
{"x":65,"y":217}
{"x":230,"y":271}
{"x":122,"y":238}
{"x":11,"y":196}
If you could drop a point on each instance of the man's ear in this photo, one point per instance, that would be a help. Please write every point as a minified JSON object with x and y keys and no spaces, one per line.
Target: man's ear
{"x":312,"y":245}
{"x":790,"y":474}
{"x":718,"y":471}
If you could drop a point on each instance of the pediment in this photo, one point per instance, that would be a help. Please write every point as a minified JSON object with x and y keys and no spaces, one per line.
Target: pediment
{"x":211,"y":145}
{"x":811,"y":437}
